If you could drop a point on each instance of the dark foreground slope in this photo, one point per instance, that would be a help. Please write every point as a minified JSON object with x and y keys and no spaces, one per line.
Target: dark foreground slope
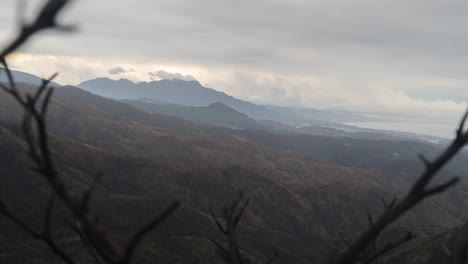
{"x":299,"y":203}
{"x":432,"y":248}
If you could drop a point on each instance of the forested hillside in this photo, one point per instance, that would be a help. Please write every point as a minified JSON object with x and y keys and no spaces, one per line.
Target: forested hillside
{"x":305,"y":190}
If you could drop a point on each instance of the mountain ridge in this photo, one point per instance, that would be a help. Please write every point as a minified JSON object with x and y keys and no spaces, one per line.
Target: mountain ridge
{"x":24,"y":77}
{"x":285,"y":119}
{"x":148,"y":160}
{"x":193,"y":93}
{"x":215,"y":114}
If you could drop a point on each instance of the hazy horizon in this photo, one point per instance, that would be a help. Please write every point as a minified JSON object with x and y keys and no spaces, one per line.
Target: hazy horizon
{"x":221,"y":131}
{"x":391,"y":57}
{"x":398,"y":122}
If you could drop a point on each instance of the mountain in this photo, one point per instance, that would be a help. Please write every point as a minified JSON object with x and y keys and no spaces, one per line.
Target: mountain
{"x":305,"y":189}
{"x":192,"y":93}
{"x":272,"y":118}
{"x":23,"y":77}
{"x":175,"y":91}
{"x":215,"y":114}
{"x":167,"y":93}
{"x":219,"y":114}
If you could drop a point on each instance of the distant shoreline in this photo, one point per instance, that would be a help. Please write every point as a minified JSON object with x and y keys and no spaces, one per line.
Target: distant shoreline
{"x":423,"y":128}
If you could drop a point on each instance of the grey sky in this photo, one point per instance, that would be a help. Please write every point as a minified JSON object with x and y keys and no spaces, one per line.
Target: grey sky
{"x":384,"y":56}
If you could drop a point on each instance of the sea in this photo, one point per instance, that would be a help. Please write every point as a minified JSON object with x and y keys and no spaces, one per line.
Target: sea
{"x":444,"y":130}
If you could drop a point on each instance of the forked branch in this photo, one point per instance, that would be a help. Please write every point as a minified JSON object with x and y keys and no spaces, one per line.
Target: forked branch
{"x":417,"y":193}
{"x":35,"y":107}
{"x":231,"y":252}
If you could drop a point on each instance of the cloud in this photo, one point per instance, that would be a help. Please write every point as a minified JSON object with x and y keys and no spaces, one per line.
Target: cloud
{"x":116,"y":70}
{"x":170,"y":75}
{"x":353,"y":93}
{"x":394,"y":56}
{"x":335,"y":93}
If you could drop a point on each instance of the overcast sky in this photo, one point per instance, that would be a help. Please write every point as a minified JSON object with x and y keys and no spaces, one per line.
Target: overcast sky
{"x":400,"y":56}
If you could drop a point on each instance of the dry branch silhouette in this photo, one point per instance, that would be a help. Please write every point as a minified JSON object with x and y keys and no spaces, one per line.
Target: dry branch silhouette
{"x":228,"y":227}
{"x":35,"y":106}
{"x":96,"y":238}
{"x":417,"y":193}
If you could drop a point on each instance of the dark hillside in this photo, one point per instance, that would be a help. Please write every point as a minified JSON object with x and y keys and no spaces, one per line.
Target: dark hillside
{"x":300,"y":202}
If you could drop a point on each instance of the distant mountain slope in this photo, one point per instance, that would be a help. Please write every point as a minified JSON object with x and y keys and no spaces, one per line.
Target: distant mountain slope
{"x":192,"y":93}
{"x":23,"y":77}
{"x":299,"y":206}
{"x":272,"y":118}
{"x":187,"y":93}
{"x":217,"y":114}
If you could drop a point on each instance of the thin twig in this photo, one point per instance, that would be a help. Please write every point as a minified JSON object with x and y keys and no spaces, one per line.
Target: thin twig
{"x":417,"y":193}
{"x":37,"y":140}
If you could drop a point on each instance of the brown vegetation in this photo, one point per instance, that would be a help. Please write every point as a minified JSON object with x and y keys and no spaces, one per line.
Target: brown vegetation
{"x":120,"y":141}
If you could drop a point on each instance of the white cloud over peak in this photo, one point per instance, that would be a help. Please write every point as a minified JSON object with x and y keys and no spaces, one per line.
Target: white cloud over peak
{"x":161,"y":74}
{"x":392,"y":56}
{"x":116,"y":70}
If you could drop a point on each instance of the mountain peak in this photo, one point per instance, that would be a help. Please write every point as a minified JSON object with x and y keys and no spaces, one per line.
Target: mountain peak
{"x":173,"y":84}
{"x":220,"y":106}
{"x":173,"y":91}
{"x":179,"y":81}
{"x":106,"y":80}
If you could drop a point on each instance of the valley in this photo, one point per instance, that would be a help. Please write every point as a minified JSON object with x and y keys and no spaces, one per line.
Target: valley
{"x":306,"y":189}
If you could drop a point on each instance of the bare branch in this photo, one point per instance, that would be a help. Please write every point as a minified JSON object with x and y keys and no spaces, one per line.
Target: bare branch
{"x":389,"y":247}
{"x":43,"y":87}
{"x":44,"y":237}
{"x":87,"y":196}
{"x":48,"y":218}
{"x":36,"y":137}
{"x":461,"y":127}
{"x":344,"y":239}
{"x":143,"y":231}
{"x":241,"y":212}
{"x":18,"y":222}
{"x":221,"y":250}
{"x":424,"y":160}
{"x":46,"y":19}
{"x":92,"y":251}
{"x":272,"y":258}
{"x":417,"y":193}
{"x":217,"y":222}
{"x":232,"y":216}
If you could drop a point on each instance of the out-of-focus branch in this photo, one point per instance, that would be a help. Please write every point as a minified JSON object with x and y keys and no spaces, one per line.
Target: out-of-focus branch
{"x":136,"y":238}
{"x":387,"y":248}
{"x":231,"y":216}
{"x":372,"y":253}
{"x":46,"y":19}
{"x":45,"y":235}
{"x":418,"y":192}
{"x":228,"y":227}
{"x":34,"y":127}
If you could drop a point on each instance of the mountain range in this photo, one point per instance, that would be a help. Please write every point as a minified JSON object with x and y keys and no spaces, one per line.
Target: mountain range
{"x":217,"y":114}
{"x":192,"y":93}
{"x":181,"y":94}
{"x":306,"y":189}
{"x":23,"y":77}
